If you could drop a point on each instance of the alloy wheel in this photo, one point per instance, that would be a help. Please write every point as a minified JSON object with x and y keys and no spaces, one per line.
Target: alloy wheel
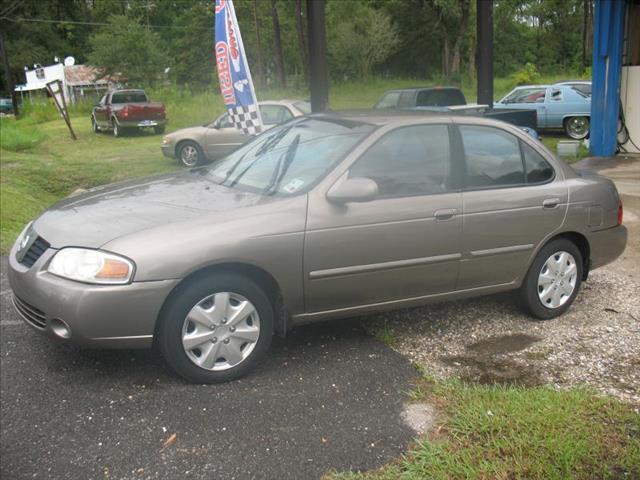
{"x":189,"y":155}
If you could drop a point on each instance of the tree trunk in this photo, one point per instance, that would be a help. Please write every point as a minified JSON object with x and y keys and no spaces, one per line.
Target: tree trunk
{"x":457,"y":46}
{"x":278,"y":44}
{"x":258,"y":43}
{"x":8,"y":78}
{"x":445,"y":58}
{"x":472,"y":59}
{"x":302,"y":44}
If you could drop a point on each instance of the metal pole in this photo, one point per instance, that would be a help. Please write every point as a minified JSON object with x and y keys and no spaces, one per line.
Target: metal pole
{"x":318,"y":71}
{"x":485,"y":52}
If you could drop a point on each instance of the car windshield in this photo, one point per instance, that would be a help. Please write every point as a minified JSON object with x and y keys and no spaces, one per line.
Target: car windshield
{"x":304,"y":107}
{"x":129,"y":97}
{"x":290,"y":158}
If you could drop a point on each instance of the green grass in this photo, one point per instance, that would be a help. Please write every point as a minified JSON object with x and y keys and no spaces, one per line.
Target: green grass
{"x":494,"y":432}
{"x":39,"y":163}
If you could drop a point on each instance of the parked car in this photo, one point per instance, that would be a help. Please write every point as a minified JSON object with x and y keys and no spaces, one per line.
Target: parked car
{"x":324,"y":217}
{"x":420,"y":97}
{"x":122,"y":110}
{"x":583,"y":86}
{"x":557,"y":106}
{"x":197,"y":145}
{"x":451,"y":99}
{"x":6,"y":105}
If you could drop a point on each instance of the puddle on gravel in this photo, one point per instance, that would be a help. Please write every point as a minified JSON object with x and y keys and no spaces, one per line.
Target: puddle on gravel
{"x":481,"y":366}
{"x":503,"y":344}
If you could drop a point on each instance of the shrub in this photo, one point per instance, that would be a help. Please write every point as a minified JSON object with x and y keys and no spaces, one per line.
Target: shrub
{"x":527,"y":75}
{"x":18,"y":136}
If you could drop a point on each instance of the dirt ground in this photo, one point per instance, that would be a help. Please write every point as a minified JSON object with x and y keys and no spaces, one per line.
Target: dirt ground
{"x":488,"y":340}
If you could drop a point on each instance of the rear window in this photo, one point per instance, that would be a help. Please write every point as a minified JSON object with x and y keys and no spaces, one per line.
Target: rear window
{"x":129,"y":97}
{"x":388,"y":100}
{"x":440,"y":98}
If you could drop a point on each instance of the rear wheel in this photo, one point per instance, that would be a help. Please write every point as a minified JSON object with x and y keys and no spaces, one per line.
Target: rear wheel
{"x":553,"y":281}
{"x":117,"y":130}
{"x":189,"y":154}
{"x":216,"y":329}
{"x":577,"y":127}
{"x":94,"y":125}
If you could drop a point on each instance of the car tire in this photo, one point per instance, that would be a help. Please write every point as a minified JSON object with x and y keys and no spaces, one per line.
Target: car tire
{"x":189,"y":154}
{"x":94,"y":125}
{"x":576,"y":127}
{"x":237,"y":343}
{"x":116,"y":128}
{"x":553,"y":280}
{"x":159,"y":129}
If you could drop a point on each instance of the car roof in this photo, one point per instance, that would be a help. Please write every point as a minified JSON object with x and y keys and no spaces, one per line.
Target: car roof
{"x":405,"y":89}
{"x":579,"y":82}
{"x":389,"y":117}
{"x":280,"y":102}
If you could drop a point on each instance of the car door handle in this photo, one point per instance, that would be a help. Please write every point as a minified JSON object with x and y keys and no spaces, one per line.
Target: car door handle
{"x":445,"y":214}
{"x":551,"y":203}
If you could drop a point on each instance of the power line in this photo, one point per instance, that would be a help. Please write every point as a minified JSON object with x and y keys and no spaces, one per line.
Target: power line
{"x":76,"y":22}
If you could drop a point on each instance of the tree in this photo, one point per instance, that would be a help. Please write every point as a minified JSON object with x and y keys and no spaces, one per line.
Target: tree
{"x":360,"y":38}
{"x":126,"y":48}
{"x":278,"y":44}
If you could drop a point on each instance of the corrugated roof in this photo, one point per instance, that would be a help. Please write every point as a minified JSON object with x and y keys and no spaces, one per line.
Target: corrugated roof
{"x":84,"y":75}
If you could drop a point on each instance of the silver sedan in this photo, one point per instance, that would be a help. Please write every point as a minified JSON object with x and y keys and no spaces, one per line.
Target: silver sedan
{"x":324,"y":217}
{"x":196,"y":145}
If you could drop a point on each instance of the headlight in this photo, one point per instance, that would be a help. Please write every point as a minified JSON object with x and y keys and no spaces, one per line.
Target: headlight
{"x":166,"y":140}
{"x":91,"y":266}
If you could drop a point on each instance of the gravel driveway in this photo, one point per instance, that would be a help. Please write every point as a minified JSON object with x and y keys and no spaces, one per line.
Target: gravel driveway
{"x":488,"y":340}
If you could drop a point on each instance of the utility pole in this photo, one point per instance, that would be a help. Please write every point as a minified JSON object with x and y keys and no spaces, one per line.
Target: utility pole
{"x":8,"y":79}
{"x":485,"y":51}
{"x":318,"y":71}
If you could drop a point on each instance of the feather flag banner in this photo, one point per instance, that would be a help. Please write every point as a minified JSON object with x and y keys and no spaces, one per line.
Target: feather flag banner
{"x":236,"y":85}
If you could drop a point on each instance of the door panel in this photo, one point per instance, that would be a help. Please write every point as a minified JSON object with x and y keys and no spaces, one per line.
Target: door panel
{"x":223,"y":139}
{"x":403,"y":244}
{"x":503,"y":223}
{"x":381,"y":250}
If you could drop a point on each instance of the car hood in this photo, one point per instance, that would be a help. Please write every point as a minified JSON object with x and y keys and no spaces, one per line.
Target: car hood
{"x":106,"y":213}
{"x":191,"y":132}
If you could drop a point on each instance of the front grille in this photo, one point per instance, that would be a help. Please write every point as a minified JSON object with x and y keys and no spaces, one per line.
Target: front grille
{"x":30,"y":313}
{"x":37,"y":248}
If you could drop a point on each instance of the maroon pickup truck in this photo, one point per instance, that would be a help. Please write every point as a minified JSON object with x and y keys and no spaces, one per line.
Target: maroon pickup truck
{"x":122,"y":110}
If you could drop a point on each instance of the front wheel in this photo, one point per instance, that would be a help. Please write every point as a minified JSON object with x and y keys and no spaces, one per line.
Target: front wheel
{"x":189,"y":154}
{"x":553,"y":281}
{"x":577,"y":127}
{"x":216,"y":329}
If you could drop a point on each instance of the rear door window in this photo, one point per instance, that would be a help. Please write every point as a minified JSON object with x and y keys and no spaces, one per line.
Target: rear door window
{"x":492,"y":157}
{"x":537,"y":168}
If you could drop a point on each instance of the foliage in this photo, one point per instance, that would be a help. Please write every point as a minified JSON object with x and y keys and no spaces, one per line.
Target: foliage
{"x":514,"y":432}
{"x":398,"y":38}
{"x":527,"y":75}
{"x":126,"y":48}
{"x":361,"y":39}
{"x":18,"y":138}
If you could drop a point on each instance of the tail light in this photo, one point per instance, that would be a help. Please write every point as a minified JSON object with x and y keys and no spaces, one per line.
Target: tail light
{"x":620,"y":212}
{"x":125,"y":111}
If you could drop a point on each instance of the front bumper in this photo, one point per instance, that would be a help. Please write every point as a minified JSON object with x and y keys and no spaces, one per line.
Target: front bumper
{"x":103,"y":316}
{"x":607,"y":245}
{"x":168,"y":150}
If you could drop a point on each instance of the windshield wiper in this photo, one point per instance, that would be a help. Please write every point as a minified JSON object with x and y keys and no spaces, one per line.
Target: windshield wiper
{"x":278,"y":175}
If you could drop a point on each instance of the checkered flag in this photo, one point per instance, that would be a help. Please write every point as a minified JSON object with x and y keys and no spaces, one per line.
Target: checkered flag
{"x":246,"y":118}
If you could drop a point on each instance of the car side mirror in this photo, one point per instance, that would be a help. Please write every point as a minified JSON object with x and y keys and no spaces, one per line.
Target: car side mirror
{"x":353,"y":190}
